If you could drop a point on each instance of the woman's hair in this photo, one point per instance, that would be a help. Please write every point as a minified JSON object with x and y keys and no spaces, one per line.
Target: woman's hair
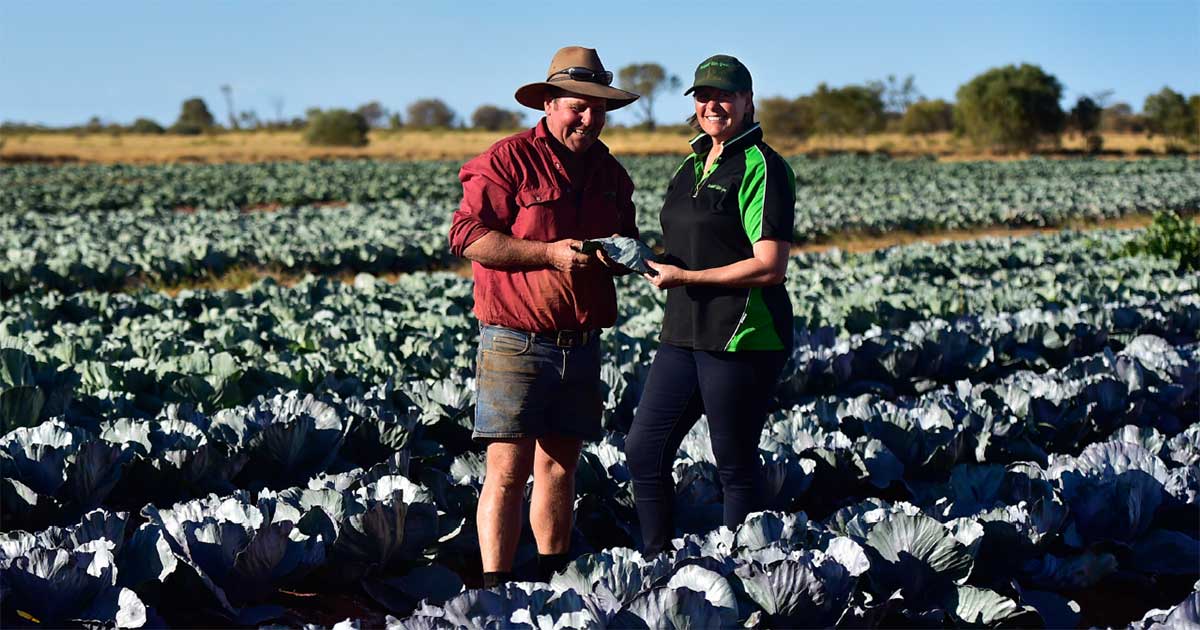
{"x":747,"y":120}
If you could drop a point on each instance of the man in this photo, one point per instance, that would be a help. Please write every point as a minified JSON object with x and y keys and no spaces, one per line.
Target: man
{"x":528,"y":203}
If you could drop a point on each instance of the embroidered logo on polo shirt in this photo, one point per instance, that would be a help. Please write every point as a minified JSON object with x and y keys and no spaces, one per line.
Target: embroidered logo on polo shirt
{"x":717,"y":187}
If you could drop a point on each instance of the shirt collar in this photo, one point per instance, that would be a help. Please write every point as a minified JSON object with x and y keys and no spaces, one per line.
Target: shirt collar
{"x":703,"y":143}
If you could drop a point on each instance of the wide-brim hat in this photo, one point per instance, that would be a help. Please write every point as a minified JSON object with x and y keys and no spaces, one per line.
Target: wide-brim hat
{"x":567,"y":68}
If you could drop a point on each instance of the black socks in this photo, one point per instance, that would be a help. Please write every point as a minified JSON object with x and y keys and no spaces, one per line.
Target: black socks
{"x":492,"y":579}
{"x":549,"y":564}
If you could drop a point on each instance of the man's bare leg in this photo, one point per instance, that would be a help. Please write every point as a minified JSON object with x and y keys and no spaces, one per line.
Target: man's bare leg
{"x":498,"y":518}
{"x":551,"y":509}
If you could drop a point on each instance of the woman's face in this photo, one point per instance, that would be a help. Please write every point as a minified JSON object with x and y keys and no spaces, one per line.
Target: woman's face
{"x":720,"y":113}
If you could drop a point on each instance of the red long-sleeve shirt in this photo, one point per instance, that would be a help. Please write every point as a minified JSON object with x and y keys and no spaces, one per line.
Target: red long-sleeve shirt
{"x":520,"y":187}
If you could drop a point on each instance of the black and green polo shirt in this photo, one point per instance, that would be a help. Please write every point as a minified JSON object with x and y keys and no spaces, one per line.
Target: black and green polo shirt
{"x":713,"y":219}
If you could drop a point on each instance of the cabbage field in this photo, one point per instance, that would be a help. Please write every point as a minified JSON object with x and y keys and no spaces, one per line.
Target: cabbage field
{"x":997,"y":432}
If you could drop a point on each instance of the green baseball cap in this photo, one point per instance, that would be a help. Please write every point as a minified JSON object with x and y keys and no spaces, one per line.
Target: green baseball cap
{"x":722,"y":72}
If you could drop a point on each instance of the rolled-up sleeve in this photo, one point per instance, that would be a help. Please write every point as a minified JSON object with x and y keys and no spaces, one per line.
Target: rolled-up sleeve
{"x":487,"y":203}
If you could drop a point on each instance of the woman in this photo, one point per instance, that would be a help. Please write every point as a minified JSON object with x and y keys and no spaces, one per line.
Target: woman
{"x":727,"y":226}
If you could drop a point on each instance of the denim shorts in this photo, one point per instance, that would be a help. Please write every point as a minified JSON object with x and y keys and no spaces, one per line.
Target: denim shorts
{"x":530,"y":387}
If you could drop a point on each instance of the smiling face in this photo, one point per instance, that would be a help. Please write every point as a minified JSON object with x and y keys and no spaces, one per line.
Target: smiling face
{"x":575,"y":121}
{"x":721,"y":114}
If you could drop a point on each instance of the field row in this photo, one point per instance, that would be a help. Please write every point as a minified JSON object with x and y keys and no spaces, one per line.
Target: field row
{"x":51,"y":241}
{"x":954,"y":496}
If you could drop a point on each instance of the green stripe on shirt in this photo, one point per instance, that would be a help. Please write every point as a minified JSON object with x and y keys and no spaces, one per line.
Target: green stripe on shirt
{"x":752,"y":195}
{"x":756,"y":330}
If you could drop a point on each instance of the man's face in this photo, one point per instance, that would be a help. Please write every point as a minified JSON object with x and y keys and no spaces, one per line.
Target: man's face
{"x":575,"y":121}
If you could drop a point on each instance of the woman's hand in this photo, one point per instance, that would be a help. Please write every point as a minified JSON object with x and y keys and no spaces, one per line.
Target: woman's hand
{"x":669,"y":276}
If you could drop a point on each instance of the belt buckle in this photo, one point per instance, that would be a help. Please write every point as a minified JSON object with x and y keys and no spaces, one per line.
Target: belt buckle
{"x":564,"y":338}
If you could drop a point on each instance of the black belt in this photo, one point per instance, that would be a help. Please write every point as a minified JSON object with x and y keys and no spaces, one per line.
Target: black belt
{"x":568,"y":338}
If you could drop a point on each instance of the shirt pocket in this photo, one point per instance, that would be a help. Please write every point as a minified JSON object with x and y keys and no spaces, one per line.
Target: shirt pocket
{"x":538,"y":214}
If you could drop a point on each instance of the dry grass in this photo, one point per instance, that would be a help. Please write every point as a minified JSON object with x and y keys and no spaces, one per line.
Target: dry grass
{"x":259,"y":146}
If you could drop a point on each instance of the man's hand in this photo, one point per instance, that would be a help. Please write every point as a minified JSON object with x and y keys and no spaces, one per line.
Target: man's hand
{"x":564,"y":255}
{"x":612,"y":265}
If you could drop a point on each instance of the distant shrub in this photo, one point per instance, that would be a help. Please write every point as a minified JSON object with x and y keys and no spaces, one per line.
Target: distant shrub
{"x":194,"y":118}
{"x":492,"y":118}
{"x":1095,"y":143}
{"x":1085,"y":116}
{"x":145,"y":125}
{"x":1168,"y":113}
{"x":781,"y":116}
{"x":1013,"y":107}
{"x":336,"y":127}
{"x":430,"y":113}
{"x":1171,"y":237}
{"x":1175,"y":148}
{"x":927,"y":117}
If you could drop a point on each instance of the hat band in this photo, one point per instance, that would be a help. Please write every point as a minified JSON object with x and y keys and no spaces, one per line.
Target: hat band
{"x":575,"y":73}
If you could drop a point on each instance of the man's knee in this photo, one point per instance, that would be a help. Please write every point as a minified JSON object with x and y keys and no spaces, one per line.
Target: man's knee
{"x":509,"y":465}
{"x":557,"y":457}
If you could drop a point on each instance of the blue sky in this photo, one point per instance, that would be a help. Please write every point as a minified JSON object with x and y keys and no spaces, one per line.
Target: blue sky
{"x":62,"y":62}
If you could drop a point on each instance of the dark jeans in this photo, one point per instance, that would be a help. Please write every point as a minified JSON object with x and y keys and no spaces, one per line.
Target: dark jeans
{"x":733,"y":390}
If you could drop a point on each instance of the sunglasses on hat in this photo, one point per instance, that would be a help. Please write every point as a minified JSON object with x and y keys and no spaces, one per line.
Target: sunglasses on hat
{"x":584,"y":74}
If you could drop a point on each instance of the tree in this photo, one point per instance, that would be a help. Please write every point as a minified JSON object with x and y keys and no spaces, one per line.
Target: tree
{"x":429,"y":113}
{"x":1009,"y":108}
{"x":249,"y":120}
{"x":277,"y":105}
{"x":649,"y":80}
{"x":853,"y":109}
{"x":373,"y":112}
{"x":1167,"y":113}
{"x":194,"y":118}
{"x":493,"y":118}
{"x":1085,"y":116}
{"x":145,"y":125}
{"x":925,"y":117}
{"x":395,"y":121}
{"x":1194,"y":105}
{"x":337,"y":127}
{"x":897,"y":96}
{"x":227,"y":90}
{"x":1120,"y":118}
{"x":786,"y":116}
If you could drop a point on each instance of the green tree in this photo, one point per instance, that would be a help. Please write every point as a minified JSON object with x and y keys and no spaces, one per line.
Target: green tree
{"x":1167,"y":113}
{"x":792,"y":117}
{"x":373,"y":112}
{"x":145,"y":125}
{"x":925,"y":117}
{"x":1120,"y":118}
{"x":1009,"y":108}
{"x":852,"y":109}
{"x":395,"y":121}
{"x":650,"y":80}
{"x":1085,"y":116}
{"x":1194,"y":105}
{"x":493,"y":118}
{"x":337,"y":127}
{"x":897,"y":95}
{"x":429,"y":113}
{"x":194,"y":118}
